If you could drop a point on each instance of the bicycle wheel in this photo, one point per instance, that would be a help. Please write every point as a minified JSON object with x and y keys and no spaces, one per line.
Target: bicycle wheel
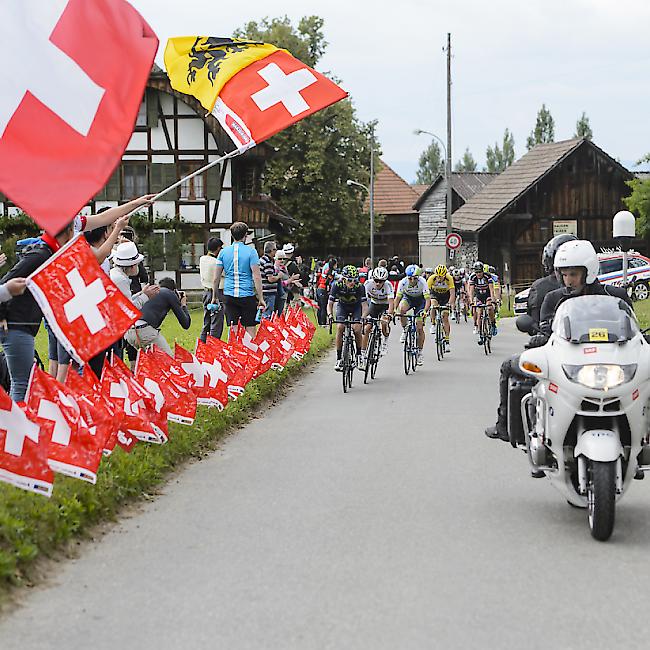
{"x":345,"y":356}
{"x":369,"y":354}
{"x":407,"y":353}
{"x":414,"y":349}
{"x":375,"y":355}
{"x":485,"y":323}
{"x":353,"y":360}
{"x":440,"y":339}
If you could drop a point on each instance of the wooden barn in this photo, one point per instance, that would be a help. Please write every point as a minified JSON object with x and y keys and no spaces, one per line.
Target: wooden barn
{"x":570,"y":186}
{"x":432,"y":210}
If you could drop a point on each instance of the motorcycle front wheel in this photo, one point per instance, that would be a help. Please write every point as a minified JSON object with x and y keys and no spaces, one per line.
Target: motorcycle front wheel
{"x":601,"y":498}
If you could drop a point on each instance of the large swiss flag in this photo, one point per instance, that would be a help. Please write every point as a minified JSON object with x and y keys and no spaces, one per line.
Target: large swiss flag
{"x":271,"y":94}
{"x":73,"y":74}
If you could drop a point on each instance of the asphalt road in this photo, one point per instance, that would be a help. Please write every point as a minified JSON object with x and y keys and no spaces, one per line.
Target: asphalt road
{"x":381,"y":519}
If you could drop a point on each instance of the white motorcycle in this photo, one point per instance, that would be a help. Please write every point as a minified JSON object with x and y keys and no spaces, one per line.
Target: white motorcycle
{"x":585,"y":421}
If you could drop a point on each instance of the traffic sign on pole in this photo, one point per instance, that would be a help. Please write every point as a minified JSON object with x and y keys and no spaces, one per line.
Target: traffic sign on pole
{"x":453,"y":241}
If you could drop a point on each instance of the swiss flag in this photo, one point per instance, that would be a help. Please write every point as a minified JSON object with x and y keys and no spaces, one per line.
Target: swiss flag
{"x":83,"y":306}
{"x":229,"y":362}
{"x":269,"y":95}
{"x":218,"y":374}
{"x":74,"y":450}
{"x":180,"y":404}
{"x":71,"y":89}
{"x":23,"y":450}
{"x":200,"y":377}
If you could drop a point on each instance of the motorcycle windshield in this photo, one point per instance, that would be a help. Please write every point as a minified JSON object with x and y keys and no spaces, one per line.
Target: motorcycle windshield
{"x":595,"y":319}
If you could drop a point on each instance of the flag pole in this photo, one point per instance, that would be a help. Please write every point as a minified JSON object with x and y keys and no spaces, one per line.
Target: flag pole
{"x":227,"y":156}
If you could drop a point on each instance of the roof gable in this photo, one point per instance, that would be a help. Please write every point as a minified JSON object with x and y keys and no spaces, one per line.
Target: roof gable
{"x":517,"y":179}
{"x":465,"y":184}
{"x":392,"y":194}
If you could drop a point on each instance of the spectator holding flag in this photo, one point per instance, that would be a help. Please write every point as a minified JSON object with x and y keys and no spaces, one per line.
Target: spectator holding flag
{"x":212,"y":318}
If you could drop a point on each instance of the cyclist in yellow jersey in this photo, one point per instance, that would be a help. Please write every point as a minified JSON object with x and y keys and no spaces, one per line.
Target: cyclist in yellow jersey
{"x":443,"y":294}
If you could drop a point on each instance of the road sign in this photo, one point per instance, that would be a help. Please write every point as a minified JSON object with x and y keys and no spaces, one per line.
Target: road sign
{"x":453,"y":241}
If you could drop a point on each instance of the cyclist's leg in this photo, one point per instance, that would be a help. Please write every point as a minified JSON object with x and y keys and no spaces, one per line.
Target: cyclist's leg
{"x":433,"y":314}
{"x":356,"y":315}
{"x":418,"y":310}
{"x":339,"y":315}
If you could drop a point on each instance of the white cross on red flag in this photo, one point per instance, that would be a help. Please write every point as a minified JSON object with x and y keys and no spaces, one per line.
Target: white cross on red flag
{"x":82,"y":305}
{"x":73,"y":449}
{"x":23,"y":450}
{"x":270,"y":95}
{"x":72,"y":77}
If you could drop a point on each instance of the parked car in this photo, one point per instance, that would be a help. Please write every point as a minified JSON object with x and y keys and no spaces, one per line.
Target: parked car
{"x":611,"y":272}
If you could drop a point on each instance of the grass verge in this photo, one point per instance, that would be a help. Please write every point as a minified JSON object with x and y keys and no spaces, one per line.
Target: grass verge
{"x":33,"y":527}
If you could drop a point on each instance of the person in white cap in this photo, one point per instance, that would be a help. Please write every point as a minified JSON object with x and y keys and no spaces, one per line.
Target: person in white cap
{"x":293,"y":284}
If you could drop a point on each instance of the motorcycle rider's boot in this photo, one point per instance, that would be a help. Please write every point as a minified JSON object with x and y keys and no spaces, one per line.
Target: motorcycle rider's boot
{"x":499,"y":430}
{"x":639,"y":475}
{"x":537,"y":474}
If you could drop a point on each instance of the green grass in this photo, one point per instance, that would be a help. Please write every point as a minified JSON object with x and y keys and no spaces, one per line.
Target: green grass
{"x":642,"y":311}
{"x":32,"y":527}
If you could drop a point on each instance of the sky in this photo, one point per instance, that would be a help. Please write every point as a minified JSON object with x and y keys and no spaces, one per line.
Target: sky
{"x":508,"y":58}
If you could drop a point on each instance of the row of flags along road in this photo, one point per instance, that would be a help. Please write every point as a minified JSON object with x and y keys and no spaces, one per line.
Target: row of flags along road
{"x":86,"y":99}
{"x":68,"y":428}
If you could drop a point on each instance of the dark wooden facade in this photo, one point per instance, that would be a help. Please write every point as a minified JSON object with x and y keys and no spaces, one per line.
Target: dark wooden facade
{"x":588,"y":186}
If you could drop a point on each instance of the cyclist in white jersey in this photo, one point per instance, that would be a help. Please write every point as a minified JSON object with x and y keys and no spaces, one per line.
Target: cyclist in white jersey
{"x":413,"y":293}
{"x":380,"y":303}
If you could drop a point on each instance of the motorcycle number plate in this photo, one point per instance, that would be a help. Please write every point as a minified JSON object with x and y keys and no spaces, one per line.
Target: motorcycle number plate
{"x":598,"y":334}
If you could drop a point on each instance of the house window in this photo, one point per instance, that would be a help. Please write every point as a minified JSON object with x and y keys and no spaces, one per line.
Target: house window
{"x":192,"y":189}
{"x":141,"y":120}
{"x":135,"y":180}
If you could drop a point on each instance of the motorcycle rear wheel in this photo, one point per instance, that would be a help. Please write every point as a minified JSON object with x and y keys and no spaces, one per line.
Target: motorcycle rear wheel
{"x":601,"y":498}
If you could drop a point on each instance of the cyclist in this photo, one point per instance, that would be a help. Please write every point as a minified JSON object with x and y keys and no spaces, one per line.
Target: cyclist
{"x":349,"y":295}
{"x":413,"y":293}
{"x":428,"y":272}
{"x":458,"y":276}
{"x":481,"y":291}
{"x":380,"y":302}
{"x":443,"y":293}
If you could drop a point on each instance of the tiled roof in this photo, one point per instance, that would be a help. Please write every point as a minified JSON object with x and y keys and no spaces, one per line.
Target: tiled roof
{"x":420,"y":188}
{"x":393,"y":195}
{"x":508,"y":186}
{"x":465,"y":184}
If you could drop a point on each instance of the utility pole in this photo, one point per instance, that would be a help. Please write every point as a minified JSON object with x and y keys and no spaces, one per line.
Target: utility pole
{"x":371,"y":195}
{"x":448,"y":167}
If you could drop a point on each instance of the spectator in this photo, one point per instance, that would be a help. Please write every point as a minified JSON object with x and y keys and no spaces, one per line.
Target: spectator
{"x":294,"y":287}
{"x":20,"y":317}
{"x":146,"y":331}
{"x":283,"y":284}
{"x":212,"y":318}
{"x":365,"y":270}
{"x":126,"y":259}
{"x":11,"y":288}
{"x":323,"y":288}
{"x":270,"y":277}
{"x":383,"y":263}
{"x":128,"y":234}
{"x":243,"y":293}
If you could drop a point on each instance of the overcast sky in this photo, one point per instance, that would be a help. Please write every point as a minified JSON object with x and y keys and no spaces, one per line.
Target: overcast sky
{"x":509,"y":57}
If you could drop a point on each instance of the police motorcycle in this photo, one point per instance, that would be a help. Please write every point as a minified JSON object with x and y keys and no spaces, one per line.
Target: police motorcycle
{"x":585,"y":422}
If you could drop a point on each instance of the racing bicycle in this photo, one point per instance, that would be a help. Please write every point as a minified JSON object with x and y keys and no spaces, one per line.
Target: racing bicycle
{"x":410,"y":341}
{"x":485,"y":327}
{"x":349,"y":350}
{"x":373,"y":351}
{"x":440,"y":330}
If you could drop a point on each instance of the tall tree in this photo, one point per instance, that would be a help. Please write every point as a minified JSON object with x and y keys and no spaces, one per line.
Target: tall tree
{"x":466,"y":163}
{"x":430,"y":165}
{"x":639,"y":203}
{"x":316,"y":156}
{"x":499,"y":158}
{"x":583,"y":128}
{"x":544,"y":130}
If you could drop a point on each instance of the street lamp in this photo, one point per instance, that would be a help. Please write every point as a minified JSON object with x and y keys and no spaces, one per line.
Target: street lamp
{"x":372,"y":216}
{"x":447,"y":180}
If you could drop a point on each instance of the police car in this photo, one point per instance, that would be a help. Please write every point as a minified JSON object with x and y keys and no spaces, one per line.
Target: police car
{"x":611,"y":272}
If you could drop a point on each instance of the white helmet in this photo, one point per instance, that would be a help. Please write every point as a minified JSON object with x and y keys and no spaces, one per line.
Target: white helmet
{"x":288,"y":249}
{"x":380,"y":273}
{"x":578,"y":253}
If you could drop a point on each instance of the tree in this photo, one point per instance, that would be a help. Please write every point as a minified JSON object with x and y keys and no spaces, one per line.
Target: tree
{"x":316,"y":156}
{"x":430,"y":164}
{"x":639,"y":203}
{"x":583,"y":128}
{"x":544,"y":130}
{"x":466,"y":163}
{"x":499,"y":158}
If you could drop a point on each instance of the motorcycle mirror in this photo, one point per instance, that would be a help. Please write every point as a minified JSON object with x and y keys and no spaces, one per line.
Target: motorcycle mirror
{"x":526,"y":324}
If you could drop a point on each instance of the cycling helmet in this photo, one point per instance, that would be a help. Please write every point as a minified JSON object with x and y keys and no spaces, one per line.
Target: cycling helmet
{"x":492,"y":269}
{"x":457,"y":273}
{"x":379,"y":274}
{"x":350,"y":272}
{"x":412,"y":270}
{"x":578,"y":253}
{"x":551,"y":248}
{"x":477,"y":266}
{"x":441,"y":270}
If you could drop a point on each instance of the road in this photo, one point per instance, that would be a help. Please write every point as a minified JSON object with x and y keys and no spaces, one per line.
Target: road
{"x":381,"y":519}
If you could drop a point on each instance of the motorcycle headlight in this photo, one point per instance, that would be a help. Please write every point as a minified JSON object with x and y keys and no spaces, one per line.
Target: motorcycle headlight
{"x":600,"y":376}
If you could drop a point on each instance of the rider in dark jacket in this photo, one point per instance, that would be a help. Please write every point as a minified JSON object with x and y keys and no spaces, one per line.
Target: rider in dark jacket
{"x":510,"y":367}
